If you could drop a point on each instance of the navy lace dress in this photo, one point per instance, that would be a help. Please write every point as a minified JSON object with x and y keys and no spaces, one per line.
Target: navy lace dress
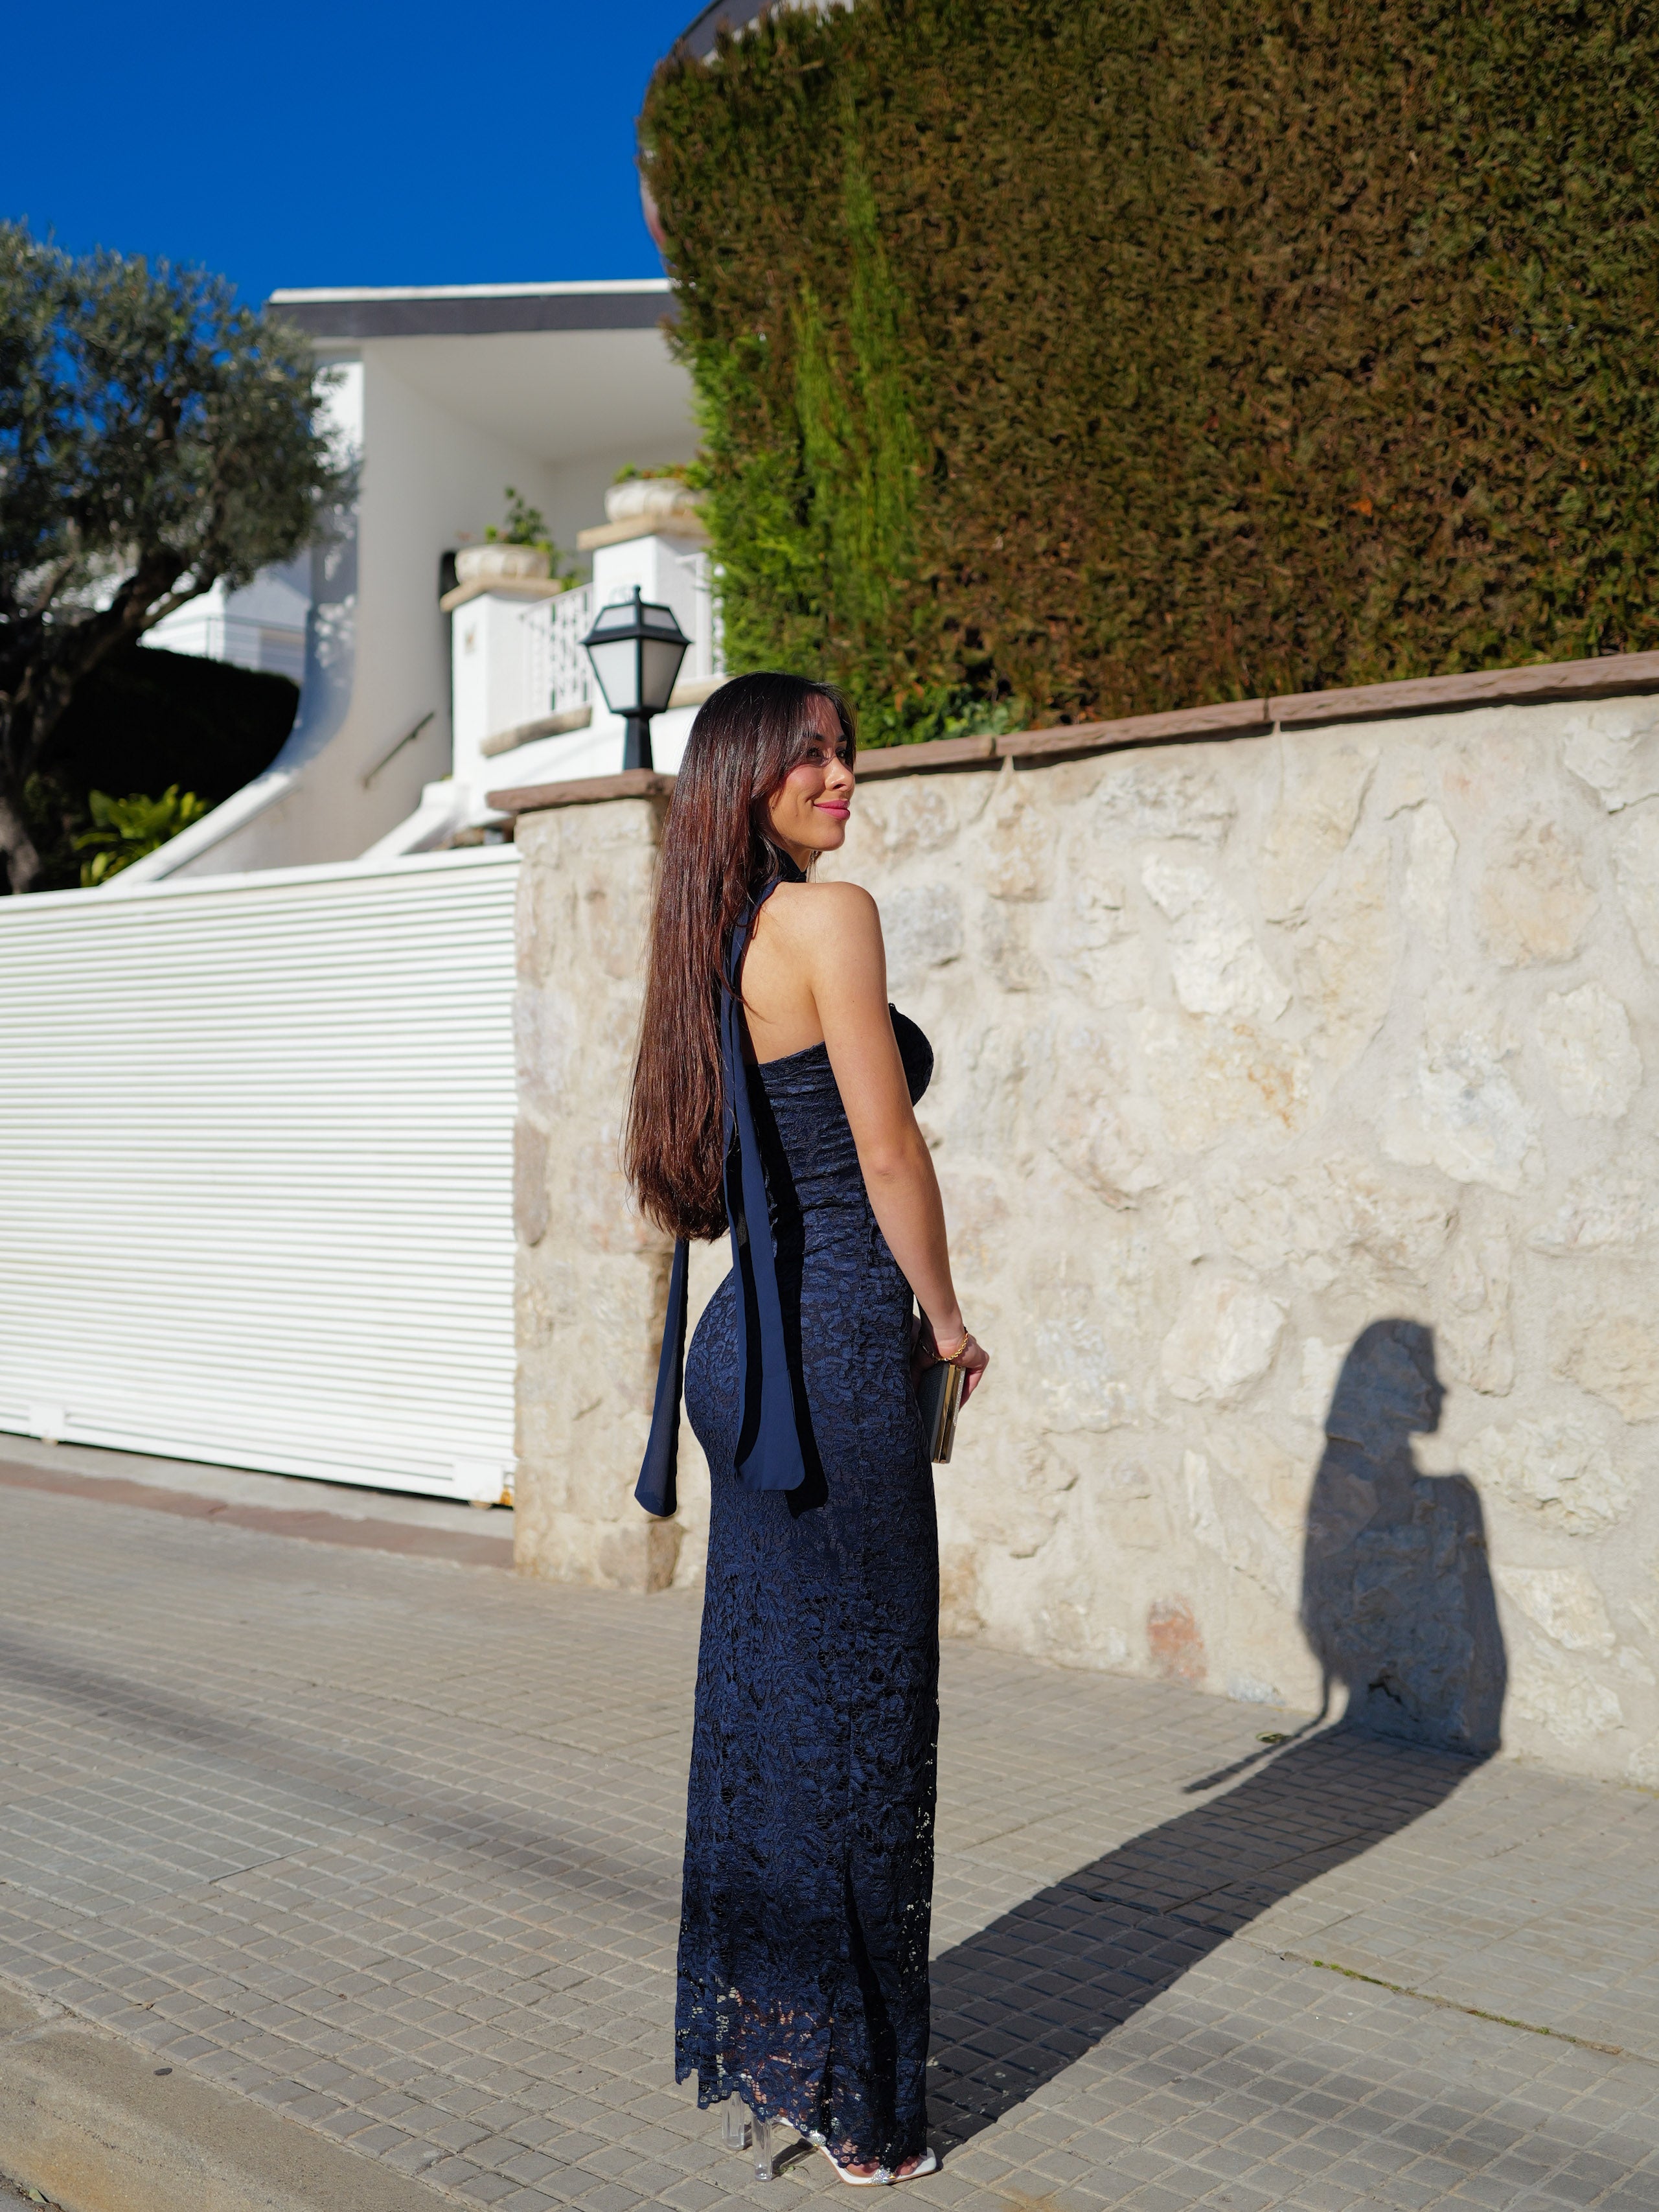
{"x":809,"y":1854}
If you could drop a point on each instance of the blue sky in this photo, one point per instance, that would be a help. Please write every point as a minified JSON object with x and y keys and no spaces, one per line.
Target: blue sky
{"x":359,"y":144}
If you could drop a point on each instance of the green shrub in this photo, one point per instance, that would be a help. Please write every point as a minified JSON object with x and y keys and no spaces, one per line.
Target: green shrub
{"x":125,"y":829}
{"x":146,"y":718}
{"x":1071,"y":361}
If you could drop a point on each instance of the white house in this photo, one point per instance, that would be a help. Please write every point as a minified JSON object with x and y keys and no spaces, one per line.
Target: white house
{"x":447,"y":395}
{"x":286,"y":1036}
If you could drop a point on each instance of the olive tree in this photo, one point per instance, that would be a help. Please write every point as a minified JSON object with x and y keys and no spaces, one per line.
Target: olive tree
{"x":154,"y":439}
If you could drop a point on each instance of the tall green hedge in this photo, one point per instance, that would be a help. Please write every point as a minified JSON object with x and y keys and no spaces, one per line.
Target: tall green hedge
{"x":1101,"y":356}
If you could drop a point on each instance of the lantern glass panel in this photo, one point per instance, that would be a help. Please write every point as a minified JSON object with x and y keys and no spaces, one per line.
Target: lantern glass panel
{"x":662,"y":657}
{"x":616,"y":665}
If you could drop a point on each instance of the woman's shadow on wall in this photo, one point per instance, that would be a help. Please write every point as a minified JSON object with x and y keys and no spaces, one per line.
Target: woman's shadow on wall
{"x":1397,"y":1605}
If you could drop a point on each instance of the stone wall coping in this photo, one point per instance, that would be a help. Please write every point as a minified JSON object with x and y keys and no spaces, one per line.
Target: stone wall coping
{"x":1612,"y":675}
{"x":1227,"y":718}
{"x":583,"y":791}
{"x":943,"y":752}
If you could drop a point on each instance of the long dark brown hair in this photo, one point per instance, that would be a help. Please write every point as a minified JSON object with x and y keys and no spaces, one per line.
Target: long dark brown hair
{"x":716,"y":849}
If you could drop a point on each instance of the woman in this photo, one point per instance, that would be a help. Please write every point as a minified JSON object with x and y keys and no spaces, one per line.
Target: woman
{"x":774,"y":1093}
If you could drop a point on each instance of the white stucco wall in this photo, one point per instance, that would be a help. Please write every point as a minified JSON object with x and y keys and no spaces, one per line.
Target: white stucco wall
{"x":439,"y":441}
{"x":422,"y":469}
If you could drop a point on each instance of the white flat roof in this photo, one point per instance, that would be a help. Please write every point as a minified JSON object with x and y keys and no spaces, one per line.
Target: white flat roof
{"x":342,"y":313}
{"x":599,"y":286}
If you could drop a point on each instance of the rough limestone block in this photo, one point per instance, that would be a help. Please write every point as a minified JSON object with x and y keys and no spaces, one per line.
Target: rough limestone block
{"x":1565,"y":1603}
{"x":1223,"y":1341}
{"x":1636,"y":869}
{"x":1459,"y":1108}
{"x":1432,"y":857}
{"x":1559,"y":1469}
{"x":1606,"y":1209}
{"x":1584,"y":1037}
{"x":1614,"y":748}
{"x":1215,"y":963}
{"x":1535,"y":903}
{"x":1313,"y":820}
{"x":1615,"y":1354}
{"x":1346,"y":951}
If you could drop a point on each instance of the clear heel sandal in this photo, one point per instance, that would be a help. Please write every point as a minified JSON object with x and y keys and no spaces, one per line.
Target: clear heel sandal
{"x":740,"y":2130}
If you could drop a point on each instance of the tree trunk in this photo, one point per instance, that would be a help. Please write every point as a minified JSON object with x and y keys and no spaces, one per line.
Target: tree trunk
{"x":22,"y":861}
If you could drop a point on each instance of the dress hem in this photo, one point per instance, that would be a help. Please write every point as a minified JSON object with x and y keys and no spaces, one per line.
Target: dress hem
{"x":771,"y":2114}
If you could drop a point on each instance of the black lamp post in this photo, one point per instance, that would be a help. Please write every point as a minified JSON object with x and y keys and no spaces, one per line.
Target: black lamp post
{"x":636,"y":649}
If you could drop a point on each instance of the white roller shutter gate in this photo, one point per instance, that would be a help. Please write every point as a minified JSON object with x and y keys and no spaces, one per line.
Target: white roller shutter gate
{"x":255,"y":1142}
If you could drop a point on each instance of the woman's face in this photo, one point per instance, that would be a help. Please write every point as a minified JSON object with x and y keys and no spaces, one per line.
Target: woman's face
{"x":808,"y":812}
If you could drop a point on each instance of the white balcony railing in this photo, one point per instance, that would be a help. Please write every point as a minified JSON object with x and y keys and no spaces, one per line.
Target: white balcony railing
{"x":523,"y":686}
{"x":556,"y":669}
{"x":558,"y":672}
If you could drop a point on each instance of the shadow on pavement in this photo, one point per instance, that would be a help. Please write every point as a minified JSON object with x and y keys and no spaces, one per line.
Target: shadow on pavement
{"x":1023,"y":2000}
{"x":1397,"y":1606}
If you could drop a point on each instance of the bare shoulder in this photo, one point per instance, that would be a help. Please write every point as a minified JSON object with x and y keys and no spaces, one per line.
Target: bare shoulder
{"x":830,"y":935}
{"x":826,"y":913}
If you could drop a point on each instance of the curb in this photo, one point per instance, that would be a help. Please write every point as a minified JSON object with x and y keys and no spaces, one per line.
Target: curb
{"x":313,"y":1525}
{"x":87,"y":2120}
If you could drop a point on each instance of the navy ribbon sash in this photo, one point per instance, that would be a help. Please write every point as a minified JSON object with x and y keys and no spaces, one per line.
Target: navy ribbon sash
{"x":769,"y":1447}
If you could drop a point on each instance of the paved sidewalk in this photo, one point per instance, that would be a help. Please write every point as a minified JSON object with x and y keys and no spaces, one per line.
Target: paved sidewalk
{"x":391,"y":1846}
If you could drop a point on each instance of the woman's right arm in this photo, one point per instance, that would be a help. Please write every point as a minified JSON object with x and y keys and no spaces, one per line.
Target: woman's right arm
{"x":838,"y":940}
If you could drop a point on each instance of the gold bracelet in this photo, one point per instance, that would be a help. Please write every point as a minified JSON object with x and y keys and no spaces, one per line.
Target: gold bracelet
{"x":950,"y":1359}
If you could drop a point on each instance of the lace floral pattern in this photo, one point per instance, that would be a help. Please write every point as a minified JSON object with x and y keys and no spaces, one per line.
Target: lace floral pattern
{"x":809,"y":1857}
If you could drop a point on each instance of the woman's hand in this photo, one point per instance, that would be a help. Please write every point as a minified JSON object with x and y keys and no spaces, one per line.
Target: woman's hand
{"x":973,"y":1358}
{"x":973,"y":1363}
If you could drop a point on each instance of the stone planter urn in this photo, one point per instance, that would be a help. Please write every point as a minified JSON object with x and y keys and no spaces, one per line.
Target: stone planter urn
{"x":501,"y":564}
{"x":663,"y":501}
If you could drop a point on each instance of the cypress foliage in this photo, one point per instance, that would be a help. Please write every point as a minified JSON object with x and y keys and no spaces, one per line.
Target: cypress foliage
{"x":1102,"y":359}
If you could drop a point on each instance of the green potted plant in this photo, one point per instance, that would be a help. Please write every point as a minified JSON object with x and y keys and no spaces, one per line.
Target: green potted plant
{"x":519,"y":550}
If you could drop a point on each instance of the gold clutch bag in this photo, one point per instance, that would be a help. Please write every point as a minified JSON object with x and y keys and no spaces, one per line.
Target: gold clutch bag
{"x":939,"y":1393}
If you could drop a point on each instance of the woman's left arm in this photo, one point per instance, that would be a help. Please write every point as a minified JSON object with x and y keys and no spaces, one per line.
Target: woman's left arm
{"x":840,"y":945}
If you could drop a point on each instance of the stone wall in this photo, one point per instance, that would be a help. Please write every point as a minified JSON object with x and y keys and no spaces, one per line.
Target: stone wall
{"x":592,"y":1278}
{"x":1298,"y":1115}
